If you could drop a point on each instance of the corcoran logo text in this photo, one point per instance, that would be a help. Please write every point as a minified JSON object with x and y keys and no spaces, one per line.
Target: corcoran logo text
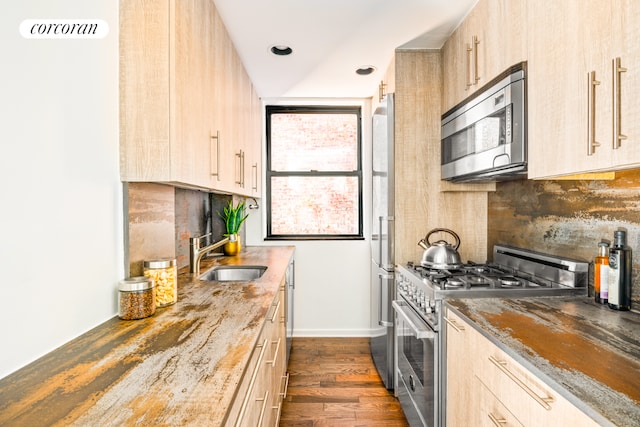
{"x":64,"y":28}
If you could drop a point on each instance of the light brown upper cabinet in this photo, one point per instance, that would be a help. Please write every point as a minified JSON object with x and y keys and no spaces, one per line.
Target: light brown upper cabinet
{"x":184,"y":96}
{"x":490,"y":39}
{"x":254,"y":150}
{"x":584,"y":76}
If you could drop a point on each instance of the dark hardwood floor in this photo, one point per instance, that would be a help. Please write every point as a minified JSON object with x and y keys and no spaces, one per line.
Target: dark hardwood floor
{"x":333,"y":382}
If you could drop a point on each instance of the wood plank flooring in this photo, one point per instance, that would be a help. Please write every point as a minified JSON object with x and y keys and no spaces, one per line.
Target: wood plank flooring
{"x":333,"y":382}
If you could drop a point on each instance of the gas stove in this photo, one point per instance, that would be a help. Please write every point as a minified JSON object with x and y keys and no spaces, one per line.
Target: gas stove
{"x":514,"y":272}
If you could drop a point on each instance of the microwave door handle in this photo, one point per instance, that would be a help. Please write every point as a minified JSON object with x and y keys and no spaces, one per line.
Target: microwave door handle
{"x":421,"y":330}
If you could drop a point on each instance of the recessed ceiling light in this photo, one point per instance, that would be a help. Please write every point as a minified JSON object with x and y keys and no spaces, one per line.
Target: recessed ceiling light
{"x":365,"y":70}
{"x":281,"y":50}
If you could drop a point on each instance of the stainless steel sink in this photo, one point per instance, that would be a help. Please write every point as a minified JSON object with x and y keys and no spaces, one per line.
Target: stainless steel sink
{"x":234,"y":273}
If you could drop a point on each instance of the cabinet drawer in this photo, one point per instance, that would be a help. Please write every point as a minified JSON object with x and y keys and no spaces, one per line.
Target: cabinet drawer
{"x":246,"y":408}
{"x":490,"y":411}
{"x":524,"y":395}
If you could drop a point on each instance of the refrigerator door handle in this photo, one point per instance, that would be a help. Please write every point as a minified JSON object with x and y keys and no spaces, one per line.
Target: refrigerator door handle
{"x":381,"y":321}
{"x":385,"y":263}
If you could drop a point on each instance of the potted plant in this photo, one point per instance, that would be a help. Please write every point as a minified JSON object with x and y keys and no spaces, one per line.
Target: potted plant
{"x":233,"y":218}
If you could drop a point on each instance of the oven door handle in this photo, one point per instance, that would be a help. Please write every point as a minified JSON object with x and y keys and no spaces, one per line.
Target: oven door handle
{"x":419,"y":327}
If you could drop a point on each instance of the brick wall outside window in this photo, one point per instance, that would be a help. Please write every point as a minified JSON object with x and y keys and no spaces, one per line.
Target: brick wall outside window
{"x":314,"y":172}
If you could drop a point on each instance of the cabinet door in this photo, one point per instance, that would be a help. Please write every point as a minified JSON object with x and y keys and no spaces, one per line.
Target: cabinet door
{"x":491,"y":39}
{"x":224,"y":108}
{"x":461,"y":399}
{"x":254,"y":147}
{"x":626,"y":46}
{"x":144,"y":91}
{"x":191,"y":136}
{"x":455,"y":70}
{"x":565,"y":43}
{"x":502,"y":36}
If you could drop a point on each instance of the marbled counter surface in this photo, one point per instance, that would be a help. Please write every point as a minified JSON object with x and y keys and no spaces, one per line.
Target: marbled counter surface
{"x":584,"y":351}
{"x":179,"y":367}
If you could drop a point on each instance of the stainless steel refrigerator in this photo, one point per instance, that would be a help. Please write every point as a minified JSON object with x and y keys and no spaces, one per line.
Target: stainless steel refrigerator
{"x":382,"y":241}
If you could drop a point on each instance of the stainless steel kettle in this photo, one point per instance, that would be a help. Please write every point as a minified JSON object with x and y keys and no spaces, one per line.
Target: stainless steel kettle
{"x":440,"y":254}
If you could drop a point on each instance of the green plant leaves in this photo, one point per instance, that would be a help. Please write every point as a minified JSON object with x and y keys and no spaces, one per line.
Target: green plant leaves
{"x":233,"y":217}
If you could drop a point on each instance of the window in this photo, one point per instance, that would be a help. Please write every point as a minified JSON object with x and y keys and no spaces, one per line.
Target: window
{"x":314,"y":173}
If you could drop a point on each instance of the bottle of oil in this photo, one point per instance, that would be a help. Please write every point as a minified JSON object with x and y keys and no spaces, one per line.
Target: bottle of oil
{"x":620,"y":273}
{"x":601,"y":274}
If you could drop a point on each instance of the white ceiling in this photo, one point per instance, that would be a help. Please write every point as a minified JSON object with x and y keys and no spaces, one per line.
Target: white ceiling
{"x":331,"y":39}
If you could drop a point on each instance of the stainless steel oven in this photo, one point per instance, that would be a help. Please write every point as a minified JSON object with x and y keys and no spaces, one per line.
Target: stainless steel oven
{"x":420,"y":342}
{"x":416,"y":378}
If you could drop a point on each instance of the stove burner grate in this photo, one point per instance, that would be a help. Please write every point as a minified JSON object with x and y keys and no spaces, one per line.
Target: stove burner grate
{"x":510,"y":282}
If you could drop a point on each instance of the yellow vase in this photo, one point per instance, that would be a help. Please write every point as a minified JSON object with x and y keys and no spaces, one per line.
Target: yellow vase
{"x":233,"y":246}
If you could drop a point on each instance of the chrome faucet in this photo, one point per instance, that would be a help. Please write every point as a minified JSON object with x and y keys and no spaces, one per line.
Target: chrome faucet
{"x":196,"y":252}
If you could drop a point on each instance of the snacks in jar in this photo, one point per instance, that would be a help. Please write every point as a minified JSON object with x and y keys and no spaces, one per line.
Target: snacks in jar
{"x":164,"y":273}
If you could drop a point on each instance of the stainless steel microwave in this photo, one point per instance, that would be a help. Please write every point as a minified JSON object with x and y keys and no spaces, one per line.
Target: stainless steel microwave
{"x":485,"y":137}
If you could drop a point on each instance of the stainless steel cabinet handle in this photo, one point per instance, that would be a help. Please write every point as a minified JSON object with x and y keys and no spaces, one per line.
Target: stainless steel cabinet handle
{"x":240,"y":156}
{"x":543,"y":401}
{"x":476,"y":77}
{"x":618,"y":136}
{"x":283,"y":393}
{"x":255,"y":185}
{"x":275,"y":355}
{"x":275,"y":312}
{"x":254,"y":376}
{"x":469,"y":83}
{"x":278,"y":410}
{"x":454,"y":325}
{"x":242,"y":169}
{"x":498,"y":422}
{"x":591,"y":113}
{"x":417,"y":325}
{"x":264,"y":401}
{"x":217,"y":138}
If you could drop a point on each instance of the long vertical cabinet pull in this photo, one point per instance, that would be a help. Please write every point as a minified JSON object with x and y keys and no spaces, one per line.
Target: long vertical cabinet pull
{"x":476,"y":42}
{"x":255,"y":183}
{"x":217,"y":172}
{"x":618,"y":136}
{"x":591,"y":113}
{"x":240,"y":156}
{"x":242,"y":169}
{"x":469,"y":81}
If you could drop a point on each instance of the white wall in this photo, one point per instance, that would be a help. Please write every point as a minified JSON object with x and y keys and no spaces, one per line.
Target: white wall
{"x":61,"y":246}
{"x":332,"y":296}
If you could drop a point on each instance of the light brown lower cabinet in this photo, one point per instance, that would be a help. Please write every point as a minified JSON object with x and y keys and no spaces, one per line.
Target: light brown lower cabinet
{"x":259,"y":397}
{"x":487,"y":387}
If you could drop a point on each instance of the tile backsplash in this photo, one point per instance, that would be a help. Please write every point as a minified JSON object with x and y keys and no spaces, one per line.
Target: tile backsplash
{"x":160,"y":219}
{"x":568,"y":217}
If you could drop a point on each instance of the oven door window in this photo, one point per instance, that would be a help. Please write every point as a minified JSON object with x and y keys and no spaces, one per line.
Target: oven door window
{"x":415,"y":352}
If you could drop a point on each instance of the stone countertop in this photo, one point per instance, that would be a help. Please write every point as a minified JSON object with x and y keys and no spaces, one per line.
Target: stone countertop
{"x":178,"y":367}
{"x":585,"y":351}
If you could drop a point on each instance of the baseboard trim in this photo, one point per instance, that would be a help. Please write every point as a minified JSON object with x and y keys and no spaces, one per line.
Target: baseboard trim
{"x":335,"y":333}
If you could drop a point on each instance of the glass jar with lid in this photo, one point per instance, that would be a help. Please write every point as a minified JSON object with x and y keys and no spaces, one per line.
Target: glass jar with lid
{"x":164,"y":273}
{"x":136,"y":298}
